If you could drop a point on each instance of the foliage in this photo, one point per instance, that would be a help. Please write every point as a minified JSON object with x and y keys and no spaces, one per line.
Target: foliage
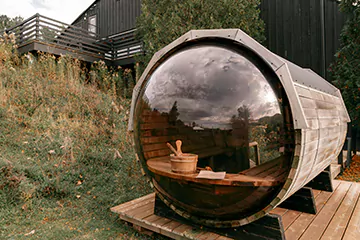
{"x":162,"y":21}
{"x":7,"y":22}
{"x":346,"y":68}
{"x":352,"y":173}
{"x":65,"y":154}
{"x":117,"y":82}
{"x":47,"y":34}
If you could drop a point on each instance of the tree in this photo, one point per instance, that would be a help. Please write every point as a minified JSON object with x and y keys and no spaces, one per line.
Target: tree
{"x":7,"y":22}
{"x":162,"y":21}
{"x":346,"y":68}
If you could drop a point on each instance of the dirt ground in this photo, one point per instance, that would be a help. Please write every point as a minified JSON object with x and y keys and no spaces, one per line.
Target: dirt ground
{"x":352,"y":173}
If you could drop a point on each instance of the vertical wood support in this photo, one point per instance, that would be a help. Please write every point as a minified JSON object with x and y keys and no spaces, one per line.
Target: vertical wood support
{"x":21,"y":34}
{"x":341,"y":159}
{"x":303,"y":200}
{"x":356,"y":142}
{"x":37,"y":26}
{"x":348,"y":156}
{"x":322,"y":181}
{"x":354,"y":134}
{"x":113,"y":50}
{"x":255,"y":145}
{"x":257,"y":155}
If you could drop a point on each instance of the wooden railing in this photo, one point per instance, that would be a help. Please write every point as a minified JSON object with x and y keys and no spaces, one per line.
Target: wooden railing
{"x":54,"y":33}
{"x":125,"y":45}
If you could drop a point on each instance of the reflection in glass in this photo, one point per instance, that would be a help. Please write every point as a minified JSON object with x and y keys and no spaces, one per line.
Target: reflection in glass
{"x":220,"y":105}
{"x":215,"y":91}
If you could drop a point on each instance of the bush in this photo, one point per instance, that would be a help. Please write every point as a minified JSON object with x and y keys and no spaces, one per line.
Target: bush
{"x":163,"y":21}
{"x":58,"y":128}
{"x":65,"y":154}
{"x":346,"y":68}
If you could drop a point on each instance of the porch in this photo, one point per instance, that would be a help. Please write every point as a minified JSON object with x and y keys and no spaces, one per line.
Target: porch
{"x":40,"y":33}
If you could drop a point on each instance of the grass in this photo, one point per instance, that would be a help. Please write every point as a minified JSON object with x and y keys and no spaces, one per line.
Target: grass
{"x":60,"y":130}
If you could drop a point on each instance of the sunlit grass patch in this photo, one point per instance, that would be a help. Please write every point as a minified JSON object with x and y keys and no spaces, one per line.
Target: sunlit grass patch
{"x":61,"y":129}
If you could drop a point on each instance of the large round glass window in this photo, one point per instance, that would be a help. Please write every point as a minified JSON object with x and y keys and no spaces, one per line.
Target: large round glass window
{"x":224,"y":106}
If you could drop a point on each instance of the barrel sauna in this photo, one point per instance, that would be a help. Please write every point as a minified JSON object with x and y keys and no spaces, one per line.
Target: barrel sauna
{"x":270,"y":125}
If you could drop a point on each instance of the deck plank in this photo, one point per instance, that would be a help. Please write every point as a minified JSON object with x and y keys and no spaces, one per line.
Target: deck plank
{"x":132,"y":211}
{"x":120,"y":208}
{"x":337,"y":226}
{"x":192,"y":233}
{"x":151,"y":218}
{"x":162,"y":221}
{"x":170,"y":226}
{"x":145,"y":211}
{"x":180,"y":230}
{"x":321,"y":221}
{"x":338,"y":217}
{"x":291,"y":215}
{"x":279,"y":211}
{"x":353,"y":228}
{"x":209,"y":236}
{"x":223,"y":238}
{"x":298,"y":227}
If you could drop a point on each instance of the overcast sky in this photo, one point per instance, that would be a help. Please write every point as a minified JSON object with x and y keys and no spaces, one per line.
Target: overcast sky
{"x":62,"y":10}
{"x":210,"y":85}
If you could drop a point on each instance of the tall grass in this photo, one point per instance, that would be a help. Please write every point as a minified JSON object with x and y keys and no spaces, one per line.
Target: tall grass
{"x":65,"y":154}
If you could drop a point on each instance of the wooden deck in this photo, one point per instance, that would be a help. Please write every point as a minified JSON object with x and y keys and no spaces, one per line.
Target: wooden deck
{"x":40,"y":33}
{"x":338,"y":217}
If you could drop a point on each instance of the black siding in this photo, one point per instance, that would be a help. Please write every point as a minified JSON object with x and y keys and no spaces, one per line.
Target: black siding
{"x":113,"y":16}
{"x":334,"y":22}
{"x":296,"y":30}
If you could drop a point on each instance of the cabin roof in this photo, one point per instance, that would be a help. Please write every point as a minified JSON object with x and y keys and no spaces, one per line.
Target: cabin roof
{"x":84,"y":11}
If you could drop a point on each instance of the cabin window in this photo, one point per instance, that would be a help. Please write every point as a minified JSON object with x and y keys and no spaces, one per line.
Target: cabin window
{"x":92,"y":25}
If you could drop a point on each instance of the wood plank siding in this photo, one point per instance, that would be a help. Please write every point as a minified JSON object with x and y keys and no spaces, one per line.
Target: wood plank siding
{"x":306,"y":32}
{"x":113,"y":16}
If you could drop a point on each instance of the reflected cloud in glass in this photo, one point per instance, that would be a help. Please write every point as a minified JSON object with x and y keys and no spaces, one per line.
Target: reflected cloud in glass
{"x":209,"y":85}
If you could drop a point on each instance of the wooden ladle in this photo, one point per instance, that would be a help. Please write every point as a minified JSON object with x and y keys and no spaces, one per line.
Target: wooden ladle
{"x":172,"y":149}
{"x":178,"y":147}
{"x":177,"y":152}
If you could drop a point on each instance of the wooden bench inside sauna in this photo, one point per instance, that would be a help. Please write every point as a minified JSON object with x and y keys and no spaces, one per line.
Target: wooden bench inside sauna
{"x":212,"y":147}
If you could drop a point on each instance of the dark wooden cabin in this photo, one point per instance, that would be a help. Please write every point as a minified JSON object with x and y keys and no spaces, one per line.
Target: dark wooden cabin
{"x":114,"y":20}
{"x":109,"y":17}
{"x":105,"y":31}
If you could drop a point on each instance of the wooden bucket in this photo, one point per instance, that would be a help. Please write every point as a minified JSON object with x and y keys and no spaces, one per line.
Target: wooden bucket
{"x":184,"y":164}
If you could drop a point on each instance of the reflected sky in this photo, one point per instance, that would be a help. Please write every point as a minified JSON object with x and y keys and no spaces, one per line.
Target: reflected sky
{"x":209,"y":84}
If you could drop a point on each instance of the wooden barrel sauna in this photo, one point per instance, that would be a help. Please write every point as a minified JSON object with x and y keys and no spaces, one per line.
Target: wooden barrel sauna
{"x":270,"y":125}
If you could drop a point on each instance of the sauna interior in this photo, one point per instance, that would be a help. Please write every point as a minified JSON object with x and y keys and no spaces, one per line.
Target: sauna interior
{"x":227,"y":106}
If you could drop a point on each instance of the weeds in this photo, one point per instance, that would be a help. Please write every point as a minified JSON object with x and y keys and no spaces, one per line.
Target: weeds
{"x":65,"y":154}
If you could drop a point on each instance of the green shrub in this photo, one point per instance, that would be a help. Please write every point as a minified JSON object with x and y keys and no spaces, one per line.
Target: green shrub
{"x":60,"y":128}
{"x":163,"y":21}
{"x":346,"y":68}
